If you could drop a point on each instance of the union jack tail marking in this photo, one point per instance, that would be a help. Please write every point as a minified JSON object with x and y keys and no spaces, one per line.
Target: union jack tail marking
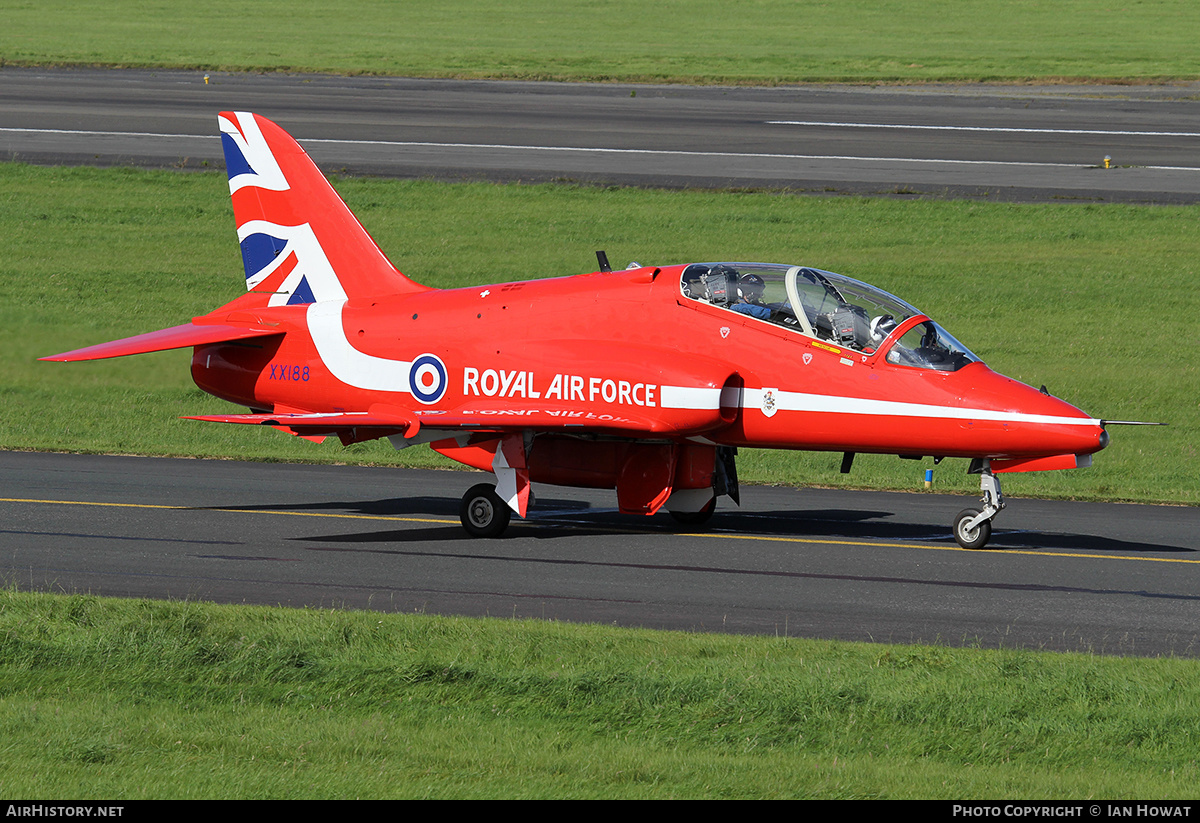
{"x":300,"y":243}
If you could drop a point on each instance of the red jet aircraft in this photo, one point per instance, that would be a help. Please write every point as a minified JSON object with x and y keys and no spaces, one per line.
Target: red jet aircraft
{"x":645,"y":380}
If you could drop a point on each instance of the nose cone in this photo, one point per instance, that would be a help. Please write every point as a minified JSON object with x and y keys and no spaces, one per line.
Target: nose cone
{"x":1018,"y":421}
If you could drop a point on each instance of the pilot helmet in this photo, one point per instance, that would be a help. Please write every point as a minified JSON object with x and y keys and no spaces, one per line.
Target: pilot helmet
{"x":751,"y":288}
{"x":881,"y":327}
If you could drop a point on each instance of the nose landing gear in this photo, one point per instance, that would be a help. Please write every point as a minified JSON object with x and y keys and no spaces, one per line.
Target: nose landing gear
{"x":973,"y":527}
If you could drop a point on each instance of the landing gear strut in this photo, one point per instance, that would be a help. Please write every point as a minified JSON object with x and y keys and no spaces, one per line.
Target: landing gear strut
{"x":973,"y":527}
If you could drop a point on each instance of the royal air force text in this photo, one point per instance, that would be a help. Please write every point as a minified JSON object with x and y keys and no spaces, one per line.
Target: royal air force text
{"x":566,"y":387}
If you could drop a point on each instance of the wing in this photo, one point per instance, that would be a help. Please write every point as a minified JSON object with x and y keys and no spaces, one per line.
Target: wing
{"x":386,"y":421}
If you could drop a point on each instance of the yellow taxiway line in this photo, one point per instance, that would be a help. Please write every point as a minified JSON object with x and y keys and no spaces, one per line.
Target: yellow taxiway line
{"x":716,"y":535}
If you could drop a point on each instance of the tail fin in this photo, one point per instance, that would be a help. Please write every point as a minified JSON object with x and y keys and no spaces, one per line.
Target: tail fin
{"x":300,"y":243}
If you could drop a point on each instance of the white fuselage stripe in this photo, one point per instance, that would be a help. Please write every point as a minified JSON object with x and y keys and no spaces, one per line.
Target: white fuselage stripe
{"x":687,"y":397}
{"x":682,"y":397}
{"x":346,"y":363}
{"x":833,"y":404}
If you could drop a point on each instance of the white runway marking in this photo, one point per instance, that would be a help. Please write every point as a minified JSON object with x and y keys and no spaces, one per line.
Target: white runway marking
{"x":647,"y":152}
{"x":1001,"y":129}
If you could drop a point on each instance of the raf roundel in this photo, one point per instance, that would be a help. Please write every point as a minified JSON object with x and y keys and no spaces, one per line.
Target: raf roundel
{"x":427,"y":378}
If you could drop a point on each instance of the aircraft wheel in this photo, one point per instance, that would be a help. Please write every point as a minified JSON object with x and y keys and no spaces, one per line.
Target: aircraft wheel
{"x":693,"y":519}
{"x":482,"y":513}
{"x":975,"y":538}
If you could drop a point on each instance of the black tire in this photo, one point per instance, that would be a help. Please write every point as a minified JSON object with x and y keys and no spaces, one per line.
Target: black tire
{"x":975,"y":538}
{"x":696,"y":519}
{"x":482,"y":513}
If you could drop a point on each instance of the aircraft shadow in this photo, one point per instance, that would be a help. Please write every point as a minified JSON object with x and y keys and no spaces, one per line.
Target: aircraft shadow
{"x":391,"y":506}
{"x":868,"y":525}
{"x":402,"y":506}
{"x":558,"y":518}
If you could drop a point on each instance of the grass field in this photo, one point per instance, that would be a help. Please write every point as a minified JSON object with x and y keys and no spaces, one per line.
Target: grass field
{"x":694,"y":41}
{"x":119,"y":700}
{"x":1075,"y":297}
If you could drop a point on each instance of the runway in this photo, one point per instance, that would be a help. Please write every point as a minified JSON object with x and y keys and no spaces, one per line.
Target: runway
{"x":1106,"y":578}
{"x":1000,"y":143}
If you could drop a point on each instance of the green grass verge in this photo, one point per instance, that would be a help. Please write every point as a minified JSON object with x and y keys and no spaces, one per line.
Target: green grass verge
{"x":1096,"y":302}
{"x":697,"y":41}
{"x":119,"y":700}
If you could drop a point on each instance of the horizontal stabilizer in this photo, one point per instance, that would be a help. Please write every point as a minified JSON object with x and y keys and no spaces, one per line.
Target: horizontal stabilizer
{"x":176,"y":337}
{"x":315,"y":421}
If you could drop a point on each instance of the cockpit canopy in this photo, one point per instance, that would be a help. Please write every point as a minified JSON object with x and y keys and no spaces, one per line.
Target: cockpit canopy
{"x":828,"y":307}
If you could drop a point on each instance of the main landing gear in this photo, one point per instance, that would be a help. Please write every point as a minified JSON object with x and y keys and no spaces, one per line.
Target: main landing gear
{"x":973,"y":527}
{"x":482,"y":512}
{"x":694,"y":520}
